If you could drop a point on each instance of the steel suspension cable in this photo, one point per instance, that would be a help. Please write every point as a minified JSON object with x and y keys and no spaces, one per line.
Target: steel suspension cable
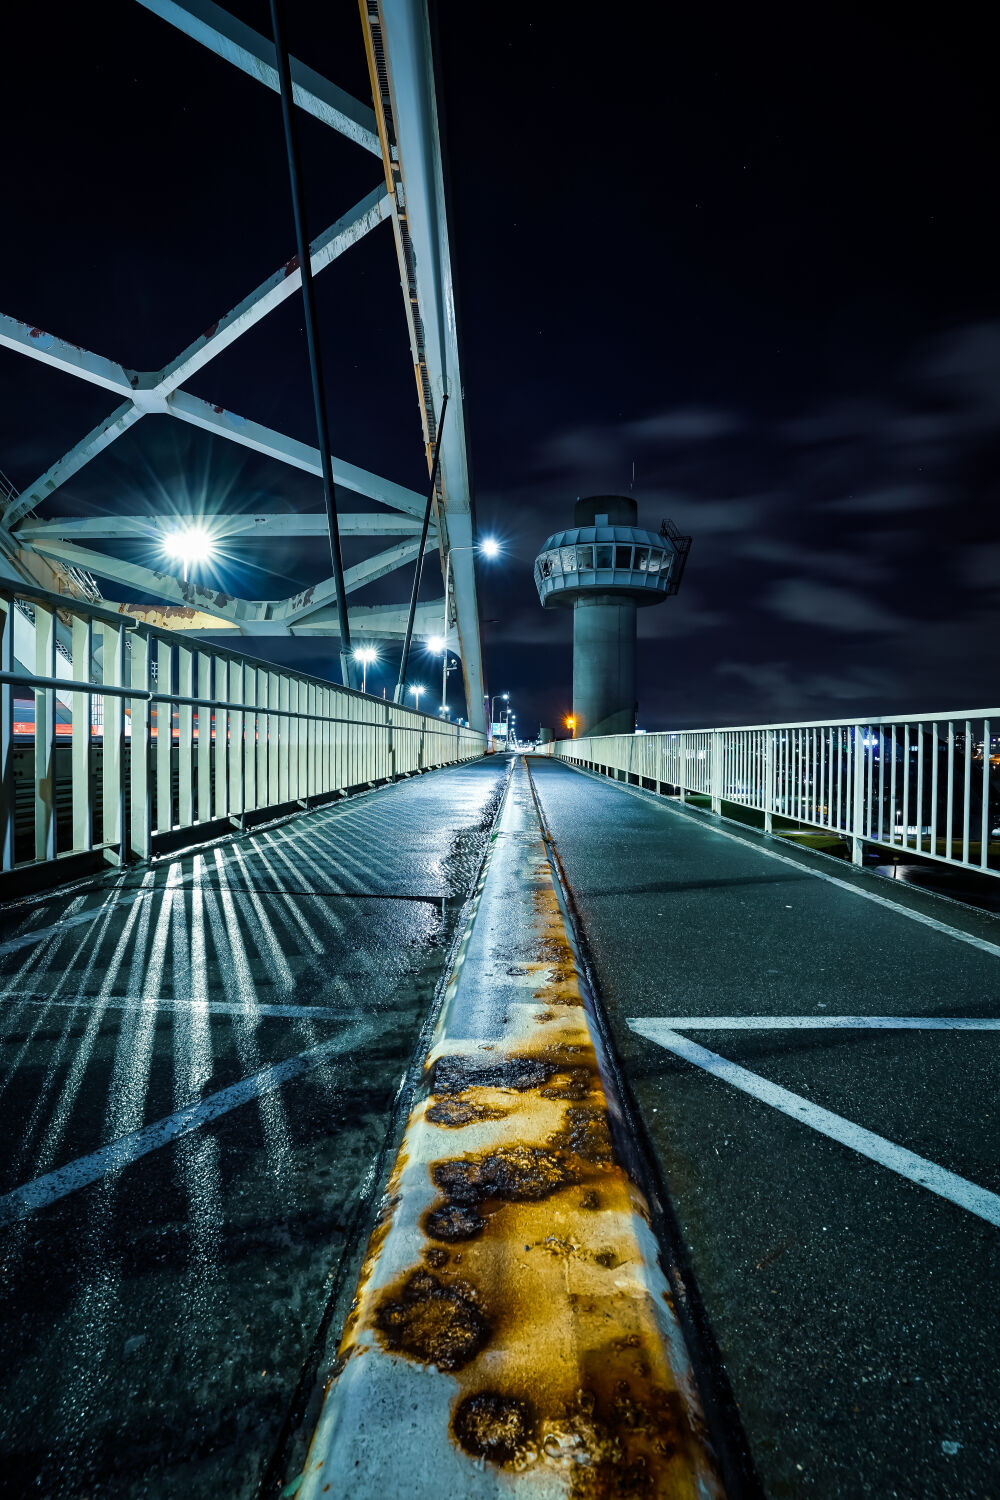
{"x":418,"y":569}
{"x":312,"y":336}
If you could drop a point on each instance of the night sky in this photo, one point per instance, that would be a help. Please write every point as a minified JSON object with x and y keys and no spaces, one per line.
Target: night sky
{"x":752,"y":250}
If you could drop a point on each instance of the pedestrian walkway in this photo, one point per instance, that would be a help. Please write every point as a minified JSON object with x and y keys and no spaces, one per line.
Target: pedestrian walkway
{"x":814,"y":1055}
{"x":513,"y":1331}
{"x":201,"y":1060}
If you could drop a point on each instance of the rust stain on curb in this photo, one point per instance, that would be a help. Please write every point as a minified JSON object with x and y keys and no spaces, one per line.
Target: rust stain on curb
{"x":526,"y":1275}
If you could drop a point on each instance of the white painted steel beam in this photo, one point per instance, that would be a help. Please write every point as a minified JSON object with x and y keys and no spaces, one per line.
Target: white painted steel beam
{"x":375,"y":621}
{"x":22,"y":338}
{"x":253,"y":54}
{"x":372,"y":568}
{"x":165,"y":584}
{"x":244,"y":526}
{"x":407,"y":141}
{"x":299,"y":455}
{"x":406,"y":106}
{"x":102,"y":436}
{"x":150,"y":392}
{"x":278,"y":287}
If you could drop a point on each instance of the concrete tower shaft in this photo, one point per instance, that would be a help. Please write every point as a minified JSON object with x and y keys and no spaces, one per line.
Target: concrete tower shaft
{"x":604,"y":568}
{"x":604,"y":635}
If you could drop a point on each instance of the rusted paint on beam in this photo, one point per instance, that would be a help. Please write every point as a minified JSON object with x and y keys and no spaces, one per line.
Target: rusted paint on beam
{"x":512,"y":1331}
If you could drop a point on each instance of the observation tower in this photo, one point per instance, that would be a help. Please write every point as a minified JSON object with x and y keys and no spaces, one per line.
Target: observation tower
{"x":604,"y":569}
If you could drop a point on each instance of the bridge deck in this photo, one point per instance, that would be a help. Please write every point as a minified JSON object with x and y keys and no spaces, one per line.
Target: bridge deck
{"x":200,"y":1067}
{"x":157,"y":1320}
{"x":853,"y":1308}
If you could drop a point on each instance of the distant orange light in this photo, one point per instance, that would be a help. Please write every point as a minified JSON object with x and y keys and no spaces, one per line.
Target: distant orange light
{"x":570,"y":723}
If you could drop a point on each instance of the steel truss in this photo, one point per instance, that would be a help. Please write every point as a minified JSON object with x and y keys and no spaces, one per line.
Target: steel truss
{"x":403,"y":132}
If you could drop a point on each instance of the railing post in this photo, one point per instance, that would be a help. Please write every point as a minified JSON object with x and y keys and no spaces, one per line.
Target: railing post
{"x":221,"y":694}
{"x":164,"y":741}
{"x":250,"y":741}
{"x":284,"y":741}
{"x":261,"y":744}
{"x":391,"y":748}
{"x":80,"y":779}
{"x":717,"y":770}
{"x":204,"y":738}
{"x":140,"y":809}
{"x":683,"y":767}
{"x":185,"y":738}
{"x":273,"y":740}
{"x":113,"y":753}
{"x":769,"y":781}
{"x":45,"y":736}
{"x":236,"y":742}
{"x":858,"y":800}
{"x":7,"y":813}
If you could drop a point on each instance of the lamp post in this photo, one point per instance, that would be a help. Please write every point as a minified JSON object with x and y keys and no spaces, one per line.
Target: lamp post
{"x":367,"y":656}
{"x":493,"y":700}
{"x":416,"y":688}
{"x":489,"y":547}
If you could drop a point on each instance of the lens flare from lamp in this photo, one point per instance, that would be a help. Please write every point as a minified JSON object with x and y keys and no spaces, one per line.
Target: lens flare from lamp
{"x":189,"y":544}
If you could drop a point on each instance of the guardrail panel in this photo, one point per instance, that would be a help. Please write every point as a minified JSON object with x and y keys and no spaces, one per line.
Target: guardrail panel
{"x":240,"y":735}
{"x":924,"y":784}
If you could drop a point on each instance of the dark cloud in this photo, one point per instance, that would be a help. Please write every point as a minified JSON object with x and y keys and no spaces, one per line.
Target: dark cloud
{"x":810,"y":602}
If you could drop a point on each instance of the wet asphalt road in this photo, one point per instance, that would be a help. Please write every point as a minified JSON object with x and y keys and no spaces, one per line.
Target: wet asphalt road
{"x":156,"y":1322}
{"x":856,"y":1312}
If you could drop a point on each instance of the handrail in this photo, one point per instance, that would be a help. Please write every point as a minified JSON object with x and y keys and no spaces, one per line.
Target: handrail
{"x":68,"y":603}
{"x":239,"y":737}
{"x":927,"y":783}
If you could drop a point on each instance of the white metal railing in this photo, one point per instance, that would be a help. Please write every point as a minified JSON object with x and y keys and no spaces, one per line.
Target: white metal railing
{"x":926,"y":783}
{"x":189,"y":734}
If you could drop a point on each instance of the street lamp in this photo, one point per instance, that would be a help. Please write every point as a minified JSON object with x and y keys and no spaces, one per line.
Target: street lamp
{"x":367,"y":656}
{"x":416,"y":688}
{"x":493,"y":700}
{"x":189,"y":544}
{"x":571,"y":726}
{"x":489,"y":547}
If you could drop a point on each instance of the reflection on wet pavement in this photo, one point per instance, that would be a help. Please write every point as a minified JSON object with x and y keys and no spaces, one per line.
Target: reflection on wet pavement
{"x":156,"y":1321}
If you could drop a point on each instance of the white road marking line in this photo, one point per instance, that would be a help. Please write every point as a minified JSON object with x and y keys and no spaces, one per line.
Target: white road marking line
{"x":977,"y":1200}
{"x":647,"y":1025}
{"x":804,"y":869}
{"x":49,"y":1188}
{"x":199,"y":1004}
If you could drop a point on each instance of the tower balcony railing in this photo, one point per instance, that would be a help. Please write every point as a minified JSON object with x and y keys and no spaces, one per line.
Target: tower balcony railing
{"x":928,"y":784}
{"x":128,"y":739}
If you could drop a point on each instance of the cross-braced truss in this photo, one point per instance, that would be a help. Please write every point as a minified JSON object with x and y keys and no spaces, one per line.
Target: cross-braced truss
{"x":402,"y":131}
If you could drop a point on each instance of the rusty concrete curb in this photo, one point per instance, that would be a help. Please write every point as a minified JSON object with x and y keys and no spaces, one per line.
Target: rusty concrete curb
{"x":512,"y":1330}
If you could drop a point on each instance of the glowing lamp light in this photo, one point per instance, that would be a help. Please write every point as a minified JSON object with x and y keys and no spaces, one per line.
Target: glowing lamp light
{"x":366,"y":655}
{"x":189,"y":544}
{"x":435,"y":643}
{"x":489,"y":547}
